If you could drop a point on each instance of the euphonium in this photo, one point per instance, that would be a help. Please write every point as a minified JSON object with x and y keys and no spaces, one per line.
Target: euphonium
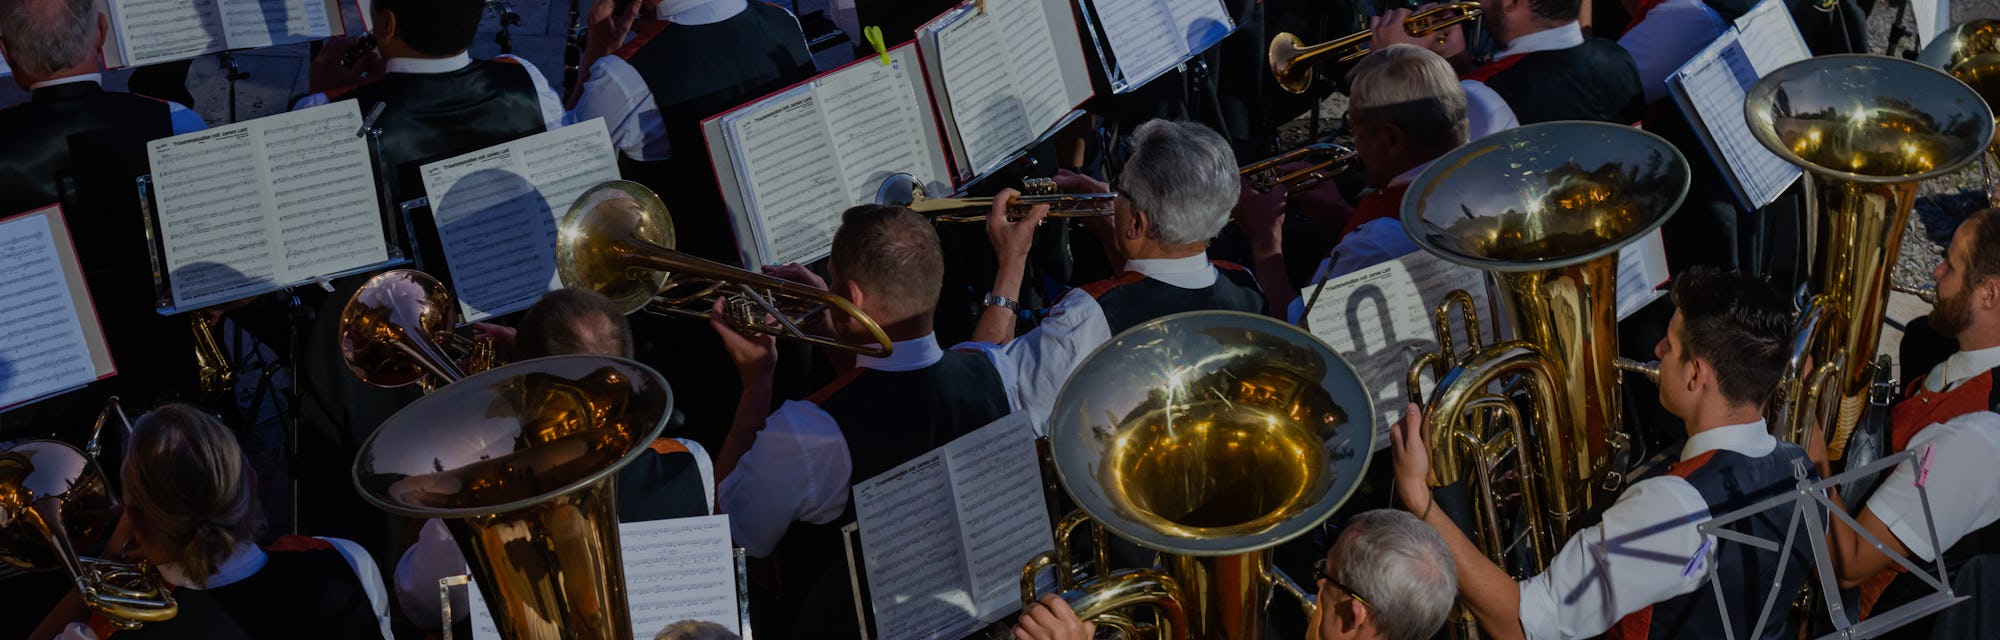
{"x":519,"y":463}
{"x":1209,"y":437}
{"x":905,"y":190}
{"x":398,"y":328}
{"x":1292,"y":61}
{"x":1324,"y":160}
{"x":1867,"y":130}
{"x":52,"y":499}
{"x":1970,"y":52}
{"x":214,"y":373}
{"x":1543,"y":209}
{"x":618,"y":240}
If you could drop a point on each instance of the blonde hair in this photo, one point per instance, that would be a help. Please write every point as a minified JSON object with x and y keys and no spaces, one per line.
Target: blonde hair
{"x":189,"y":489}
{"x":1413,"y":88}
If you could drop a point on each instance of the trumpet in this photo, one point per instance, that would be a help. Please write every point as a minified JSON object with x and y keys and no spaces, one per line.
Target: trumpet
{"x":905,"y":190}
{"x":399,"y":329}
{"x":618,"y":240}
{"x":1328,"y":160}
{"x":1292,"y":60}
{"x":54,"y":498}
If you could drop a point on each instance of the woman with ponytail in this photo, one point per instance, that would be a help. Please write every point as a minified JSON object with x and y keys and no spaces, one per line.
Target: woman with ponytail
{"x":190,"y":509}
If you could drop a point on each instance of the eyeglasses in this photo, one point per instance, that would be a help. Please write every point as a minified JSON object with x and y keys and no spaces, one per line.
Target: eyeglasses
{"x":1319,"y":571}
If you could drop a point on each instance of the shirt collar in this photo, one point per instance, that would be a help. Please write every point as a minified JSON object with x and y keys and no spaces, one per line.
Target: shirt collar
{"x":243,"y":561}
{"x":1552,"y":39}
{"x":1962,"y":366}
{"x":429,"y":65}
{"x":908,"y":355}
{"x":81,"y":77}
{"x":1750,"y":438}
{"x":700,"y":12}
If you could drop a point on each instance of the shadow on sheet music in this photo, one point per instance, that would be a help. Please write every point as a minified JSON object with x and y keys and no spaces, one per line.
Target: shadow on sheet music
{"x":1203,"y":32}
{"x":278,"y":18}
{"x":499,"y":253}
{"x":1392,"y":344}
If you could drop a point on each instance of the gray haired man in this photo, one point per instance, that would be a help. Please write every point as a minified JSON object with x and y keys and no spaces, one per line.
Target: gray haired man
{"x":1388,"y":577}
{"x":1174,"y":194}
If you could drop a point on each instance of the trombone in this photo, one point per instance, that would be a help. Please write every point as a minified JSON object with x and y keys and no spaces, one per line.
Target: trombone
{"x":618,"y":240}
{"x":905,"y":190}
{"x":1328,"y":160}
{"x":399,"y":328}
{"x":1292,"y":60}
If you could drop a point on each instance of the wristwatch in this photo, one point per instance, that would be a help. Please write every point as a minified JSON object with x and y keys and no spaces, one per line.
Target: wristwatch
{"x":997,"y":300}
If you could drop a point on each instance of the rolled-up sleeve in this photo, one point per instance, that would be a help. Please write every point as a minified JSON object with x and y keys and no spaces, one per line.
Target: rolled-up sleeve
{"x":1641,"y":554}
{"x":1959,"y":484}
{"x":796,"y":471}
{"x":1034,"y":366}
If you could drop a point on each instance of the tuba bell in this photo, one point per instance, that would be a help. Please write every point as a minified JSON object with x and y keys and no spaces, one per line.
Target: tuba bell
{"x":54,"y":499}
{"x":399,"y":329}
{"x":1970,"y":52}
{"x":618,"y":240}
{"x":1866,"y":129}
{"x":1543,"y":209}
{"x":519,"y":463}
{"x":1209,"y":437}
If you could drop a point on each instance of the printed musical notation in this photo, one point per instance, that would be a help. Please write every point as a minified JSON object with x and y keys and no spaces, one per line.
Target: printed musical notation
{"x":51,"y":328}
{"x":676,"y":569}
{"x":262,"y":204}
{"x":1710,"y":90}
{"x":154,"y":31}
{"x":944,"y":536}
{"x":787,"y":156}
{"x":1148,"y":37}
{"x":990,"y":113}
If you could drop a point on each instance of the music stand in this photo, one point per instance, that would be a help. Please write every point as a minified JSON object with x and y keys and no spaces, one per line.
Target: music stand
{"x":446,"y":583}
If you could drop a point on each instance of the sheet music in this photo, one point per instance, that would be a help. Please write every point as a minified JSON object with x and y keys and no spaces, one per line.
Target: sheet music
{"x":1712,"y":85}
{"x":259,"y":205}
{"x":910,"y":545}
{"x":1142,"y":36}
{"x":1932,"y":17}
{"x":1769,"y":38}
{"x":1380,"y":318}
{"x":1038,"y":76}
{"x":1642,"y":268}
{"x":250,"y":24}
{"x":498,"y":210}
{"x":795,"y":184}
{"x":878,"y":127}
{"x":989,"y":113}
{"x":46,"y":347}
{"x":676,"y":569}
{"x":1003,"y":516}
{"x":152,"y":31}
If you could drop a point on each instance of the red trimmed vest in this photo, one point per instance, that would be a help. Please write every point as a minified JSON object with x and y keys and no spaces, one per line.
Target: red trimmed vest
{"x":306,"y":589}
{"x":1386,"y":203}
{"x":1596,"y":80}
{"x":1131,"y":298}
{"x":1922,"y":407}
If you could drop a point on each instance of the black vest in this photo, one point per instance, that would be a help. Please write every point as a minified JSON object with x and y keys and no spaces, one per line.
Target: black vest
{"x":1596,"y":80}
{"x":658,"y":486}
{"x":887,"y":418}
{"x":309,"y":593}
{"x":1730,"y":481}
{"x":1131,"y":298}
{"x":699,"y":71}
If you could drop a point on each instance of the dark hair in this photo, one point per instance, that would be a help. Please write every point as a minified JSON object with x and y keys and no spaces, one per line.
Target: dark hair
{"x":1557,"y":10}
{"x":435,"y":27}
{"x":1985,"y":261}
{"x":1739,"y":324}
{"x":567,"y":321}
{"x":892,"y":254}
{"x":189,"y":488}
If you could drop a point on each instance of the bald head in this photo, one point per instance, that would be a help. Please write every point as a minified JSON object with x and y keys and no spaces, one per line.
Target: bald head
{"x":46,"y":38}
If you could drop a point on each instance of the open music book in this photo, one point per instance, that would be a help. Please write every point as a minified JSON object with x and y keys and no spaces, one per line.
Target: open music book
{"x":790,"y":162}
{"x":1710,"y":88}
{"x":264,"y":204}
{"x":1145,"y":38}
{"x":146,"y":32}
{"x":676,"y":569}
{"x":53,"y":342}
{"x":945,"y":535}
{"x":497,"y":211}
{"x":1004,"y":78}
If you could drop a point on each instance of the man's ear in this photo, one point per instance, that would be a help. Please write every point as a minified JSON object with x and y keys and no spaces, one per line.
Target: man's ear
{"x":852,"y":290}
{"x":1989,"y":292}
{"x":1142,"y":225}
{"x":1351,"y":619}
{"x":1393,"y":135}
{"x":385,"y":25}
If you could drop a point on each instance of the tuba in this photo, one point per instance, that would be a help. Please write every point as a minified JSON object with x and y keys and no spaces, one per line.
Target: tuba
{"x":618,"y":240}
{"x":1209,"y":437}
{"x":53,"y":499}
{"x":1970,"y":52}
{"x":1866,"y":129}
{"x":398,"y":329}
{"x":1544,"y":210}
{"x":519,"y":462}
{"x":1292,"y":61}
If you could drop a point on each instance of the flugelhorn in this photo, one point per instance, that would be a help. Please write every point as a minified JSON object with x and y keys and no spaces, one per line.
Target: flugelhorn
{"x":53,"y":499}
{"x":399,"y":329}
{"x":519,"y":463}
{"x":618,"y":240}
{"x":1324,"y":160}
{"x":905,"y":190}
{"x":1292,"y":61}
{"x":1866,"y":129}
{"x":1209,"y":437}
{"x":1544,"y":209}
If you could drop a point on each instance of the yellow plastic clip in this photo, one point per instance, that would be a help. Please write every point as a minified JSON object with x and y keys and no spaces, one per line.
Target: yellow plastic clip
{"x":874,"y":37}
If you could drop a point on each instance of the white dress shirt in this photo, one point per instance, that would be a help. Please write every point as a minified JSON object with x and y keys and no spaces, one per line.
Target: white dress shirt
{"x":552,"y":105}
{"x":1960,"y":484}
{"x":185,"y":120}
{"x":1374,"y":242}
{"x":798,"y":469}
{"x":1639,"y":554}
{"x":1485,"y":110}
{"x":1034,"y":366}
{"x":1666,"y":37}
{"x":1960,"y":367}
{"x":616,"y":92}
